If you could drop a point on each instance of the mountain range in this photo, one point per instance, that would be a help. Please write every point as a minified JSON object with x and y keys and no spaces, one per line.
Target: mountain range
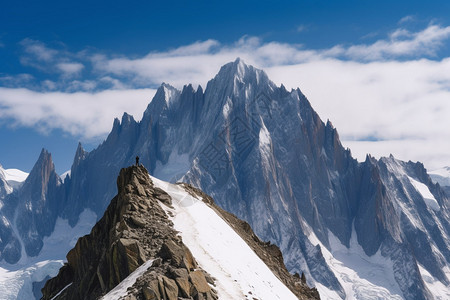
{"x":375,"y":229}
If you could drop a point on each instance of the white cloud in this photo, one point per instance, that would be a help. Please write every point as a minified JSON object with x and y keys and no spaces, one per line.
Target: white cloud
{"x":89,"y":115}
{"x":365,"y":90}
{"x":401,"y":43}
{"x":70,"y":69}
{"x":407,"y":19}
{"x":38,"y":50}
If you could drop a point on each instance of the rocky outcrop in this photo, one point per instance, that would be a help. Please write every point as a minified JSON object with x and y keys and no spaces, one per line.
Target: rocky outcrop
{"x":134,"y":229}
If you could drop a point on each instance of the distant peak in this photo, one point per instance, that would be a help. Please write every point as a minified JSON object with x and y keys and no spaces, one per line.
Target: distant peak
{"x":80,"y":148}
{"x":240,"y":71}
{"x":167,"y":92}
{"x":127,"y":118}
{"x":44,"y":166}
{"x":44,"y":155}
{"x":238,"y":68}
{"x":80,"y":154}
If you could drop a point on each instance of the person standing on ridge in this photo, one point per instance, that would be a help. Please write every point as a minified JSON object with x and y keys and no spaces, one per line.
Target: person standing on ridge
{"x":137,"y":160}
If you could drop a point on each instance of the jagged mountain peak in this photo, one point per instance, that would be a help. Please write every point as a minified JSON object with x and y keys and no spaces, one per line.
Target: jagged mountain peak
{"x":43,"y":167}
{"x":167,"y":92}
{"x":127,"y":119}
{"x":238,"y":71}
{"x":80,"y":153}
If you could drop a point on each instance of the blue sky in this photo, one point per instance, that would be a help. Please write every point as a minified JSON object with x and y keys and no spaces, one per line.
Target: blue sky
{"x":377,"y":69}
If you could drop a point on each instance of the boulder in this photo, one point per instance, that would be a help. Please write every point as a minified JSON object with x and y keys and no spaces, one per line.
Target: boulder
{"x":199,"y":281}
{"x":179,"y":255}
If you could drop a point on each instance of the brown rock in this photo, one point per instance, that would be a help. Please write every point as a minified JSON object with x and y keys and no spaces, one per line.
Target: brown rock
{"x":137,"y":221}
{"x":170,"y":288}
{"x":151,"y":292}
{"x":179,"y":273}
{"x":133,"y":252}
{"x":162,"y":290}
{"x":199,"y":281}
{"x":162,"y":196}
{"x":184,"y":286}
{"x":179,"y":255}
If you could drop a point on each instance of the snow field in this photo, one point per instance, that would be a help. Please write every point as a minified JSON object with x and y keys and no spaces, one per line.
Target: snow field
{"x":361,"y":276}
{"x":219,"y":250}
{"x":427,"y":196}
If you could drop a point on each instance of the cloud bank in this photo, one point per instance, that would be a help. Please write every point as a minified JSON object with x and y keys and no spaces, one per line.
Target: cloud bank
{"x":389,"y":96}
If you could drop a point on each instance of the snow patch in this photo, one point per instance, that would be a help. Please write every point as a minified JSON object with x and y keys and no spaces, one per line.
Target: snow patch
{"x":361,"y":276}
{"x":221,"y":251}
{"x":227,"y":108}
{"x":425,"y":193}
{"x":65,"y":174}
{"x":264,"y":146}
{"x":439,"y":290}
{"x":121,"y":289}
{"x":56,"y":296}
{"x":15,"y":175}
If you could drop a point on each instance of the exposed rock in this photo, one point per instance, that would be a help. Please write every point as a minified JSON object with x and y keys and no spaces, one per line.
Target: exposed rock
{"x":179,"y":254}
{"x":137,"y":221}
{"x":184,"y":286}
{"x":198,"y":280}
{"x":115,"y":247}
{"x":170,"y":288}
{"x":151,"y":292}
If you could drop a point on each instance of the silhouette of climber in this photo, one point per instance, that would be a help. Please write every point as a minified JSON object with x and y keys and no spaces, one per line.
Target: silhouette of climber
{"x":137,"y":160}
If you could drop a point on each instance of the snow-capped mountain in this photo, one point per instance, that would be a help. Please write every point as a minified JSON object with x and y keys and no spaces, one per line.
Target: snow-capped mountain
{"x":264,"y":154}
{"x":10,"y":179}
{"x":137,"y":250}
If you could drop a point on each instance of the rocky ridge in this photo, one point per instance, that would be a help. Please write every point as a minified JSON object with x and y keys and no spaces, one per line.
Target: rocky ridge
{"x":135,"y":229}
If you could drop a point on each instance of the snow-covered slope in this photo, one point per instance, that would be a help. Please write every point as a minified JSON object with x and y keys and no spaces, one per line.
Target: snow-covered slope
{"x":15,"y":175}
{"x":240,"y":273}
